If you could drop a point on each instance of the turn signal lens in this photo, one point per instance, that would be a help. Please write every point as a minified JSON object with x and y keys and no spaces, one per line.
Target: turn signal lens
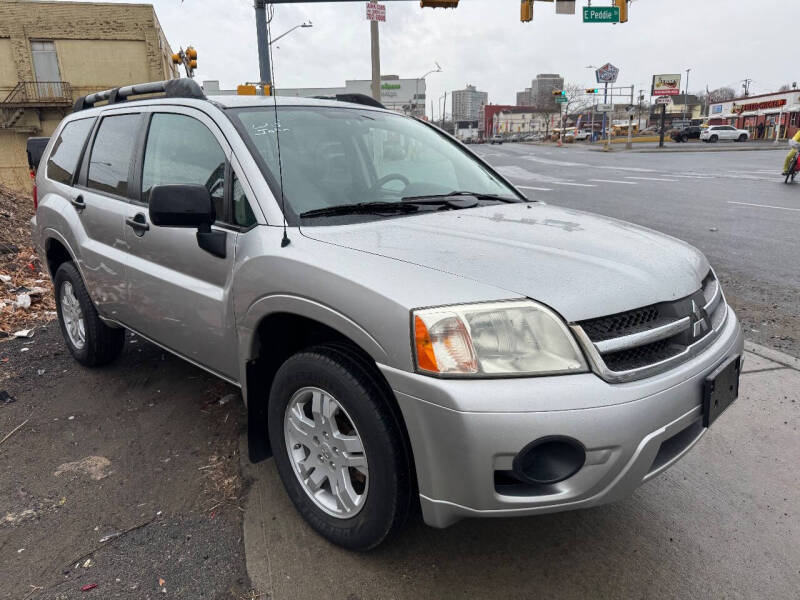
{"x":444,"y":346}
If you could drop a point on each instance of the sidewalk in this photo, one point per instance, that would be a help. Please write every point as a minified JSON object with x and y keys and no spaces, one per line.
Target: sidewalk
{"x":695,"y":531}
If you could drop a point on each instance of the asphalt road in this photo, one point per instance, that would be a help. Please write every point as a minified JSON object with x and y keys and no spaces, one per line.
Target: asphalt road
{"x":732,"y":205}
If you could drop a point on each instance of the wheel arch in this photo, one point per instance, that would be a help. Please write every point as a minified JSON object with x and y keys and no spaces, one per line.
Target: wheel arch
{"x":277,"y":327}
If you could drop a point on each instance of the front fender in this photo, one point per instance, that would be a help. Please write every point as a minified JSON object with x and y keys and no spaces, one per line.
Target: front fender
{"x":303,"y":307}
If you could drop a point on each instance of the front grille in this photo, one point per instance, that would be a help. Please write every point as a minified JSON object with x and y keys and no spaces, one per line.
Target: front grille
{"x":640,"y":342}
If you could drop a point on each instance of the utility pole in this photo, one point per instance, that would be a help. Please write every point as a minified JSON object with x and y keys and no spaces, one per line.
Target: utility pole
{"x":376,"y":58}
{"x":629,"y":143}
{"x":263,"y":47}
{"x":746,"y":86}
{"x":686,"y":96}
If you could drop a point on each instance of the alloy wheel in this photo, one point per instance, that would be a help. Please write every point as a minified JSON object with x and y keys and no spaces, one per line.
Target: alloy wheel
{"x":71,"y":312}
{"x":326,"y":452}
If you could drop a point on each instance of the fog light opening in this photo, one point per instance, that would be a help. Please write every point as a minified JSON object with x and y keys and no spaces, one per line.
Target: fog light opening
{"x":549,"y":460}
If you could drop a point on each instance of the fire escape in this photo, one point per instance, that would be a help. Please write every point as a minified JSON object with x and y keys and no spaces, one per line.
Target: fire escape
{"x":33,"y":95}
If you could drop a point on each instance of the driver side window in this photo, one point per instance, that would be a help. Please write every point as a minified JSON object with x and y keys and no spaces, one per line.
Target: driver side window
{"x":180,"y":149}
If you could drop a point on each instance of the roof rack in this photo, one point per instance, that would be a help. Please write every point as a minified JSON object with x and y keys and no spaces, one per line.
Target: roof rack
{"x":171,"y":88}
{"x":354,"y":99}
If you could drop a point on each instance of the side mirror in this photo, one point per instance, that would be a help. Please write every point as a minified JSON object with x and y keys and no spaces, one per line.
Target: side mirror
{"x":180,"y":205}
{"x":188,"y":205}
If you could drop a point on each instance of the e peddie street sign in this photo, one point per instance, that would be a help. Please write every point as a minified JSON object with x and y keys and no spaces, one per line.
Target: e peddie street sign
{"x":601,"y":14}
{"x":561,"y":99}
{"x":376,"y":12}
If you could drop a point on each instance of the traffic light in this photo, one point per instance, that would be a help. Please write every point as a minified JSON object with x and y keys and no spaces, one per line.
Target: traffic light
{"x":438,"y":3}
{"x":176,"y":58}
{"x":559,"y":93}
{"x":527,"y":11}
{"x":188,"y":59}
{"x":623,"y":10}
{"x":191,"y":56}
{"x":592,"y":91}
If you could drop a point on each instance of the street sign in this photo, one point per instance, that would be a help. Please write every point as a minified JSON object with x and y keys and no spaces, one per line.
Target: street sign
{"x":601,"y":14}
{"x":631,"y":110}
{"x":608,"y":73}
{"x":376,"y":12}
{"x":663,"y":100}
{"x":561,"y":99}
{"x":605,"y":108}
{"x":565,"y":7}
{"x":666,"y":85}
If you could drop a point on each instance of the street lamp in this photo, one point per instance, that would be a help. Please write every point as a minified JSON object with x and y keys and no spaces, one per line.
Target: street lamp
{"x":302,"y":25}
{"x":438,"y":69}
{"x":686,"y":96}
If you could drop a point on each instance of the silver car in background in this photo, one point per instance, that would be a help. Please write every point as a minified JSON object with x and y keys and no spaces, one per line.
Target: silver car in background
{"x":405,"y":326}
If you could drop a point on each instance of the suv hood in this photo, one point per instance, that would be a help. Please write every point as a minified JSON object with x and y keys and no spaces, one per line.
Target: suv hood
{"x":580,"y":264}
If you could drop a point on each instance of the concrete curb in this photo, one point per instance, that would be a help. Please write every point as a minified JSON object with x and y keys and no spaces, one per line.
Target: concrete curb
{"x":774,"y":355}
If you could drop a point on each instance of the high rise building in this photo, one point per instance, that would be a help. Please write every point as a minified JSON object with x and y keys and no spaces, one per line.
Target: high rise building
{"x":467,"y":103}
{"x":540,"y":94}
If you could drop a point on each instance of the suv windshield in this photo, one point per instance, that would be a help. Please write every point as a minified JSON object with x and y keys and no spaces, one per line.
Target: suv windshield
{"x":334,"y":157}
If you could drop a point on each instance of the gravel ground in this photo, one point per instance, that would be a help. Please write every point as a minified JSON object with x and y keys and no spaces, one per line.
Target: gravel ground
{"x":143,"y":448}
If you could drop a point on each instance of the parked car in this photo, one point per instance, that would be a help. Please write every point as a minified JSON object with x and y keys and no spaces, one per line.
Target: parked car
{"x":407,"y":330}
{"x":685,"y":134}
{"x":496,"y":139}
{"x":717,"y":133}
{"x":583,"y":135}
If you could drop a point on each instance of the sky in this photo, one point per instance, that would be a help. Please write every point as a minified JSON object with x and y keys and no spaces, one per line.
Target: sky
{"x":483,"y":43}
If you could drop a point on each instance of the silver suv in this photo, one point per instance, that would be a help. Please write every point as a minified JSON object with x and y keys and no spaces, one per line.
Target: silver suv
{"x":405,"y":326}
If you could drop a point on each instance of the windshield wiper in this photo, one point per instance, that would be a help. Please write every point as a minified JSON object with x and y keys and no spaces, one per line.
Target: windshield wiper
{"x":444,"y":198}
{"x":361,"y":208}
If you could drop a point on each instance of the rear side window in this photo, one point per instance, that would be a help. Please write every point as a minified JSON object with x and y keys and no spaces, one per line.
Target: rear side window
{"x":66,"y":151}
{"x":111,"y":154}
{"x":181,"y":149}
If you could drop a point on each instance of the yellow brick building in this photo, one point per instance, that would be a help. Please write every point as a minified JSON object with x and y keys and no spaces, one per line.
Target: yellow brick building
{"x":53,"y":52}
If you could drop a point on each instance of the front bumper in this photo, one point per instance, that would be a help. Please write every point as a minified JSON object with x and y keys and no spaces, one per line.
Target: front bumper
{"x":465,"y":433}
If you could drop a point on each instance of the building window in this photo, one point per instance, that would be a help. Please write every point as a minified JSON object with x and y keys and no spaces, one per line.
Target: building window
{"x":793,"y":122}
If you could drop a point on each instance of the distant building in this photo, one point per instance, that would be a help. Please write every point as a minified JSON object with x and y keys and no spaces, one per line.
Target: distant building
{"x":540,"y":94}
{"x":406,"y":96}
{"x":507,"y":119}
{"x":467,"y":103}
{"x":773,"y":111}
{"x":53,"y":52}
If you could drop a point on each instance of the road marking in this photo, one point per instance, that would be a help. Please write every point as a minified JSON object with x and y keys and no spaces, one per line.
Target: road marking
{"x":538,"y":189}
{"x":575,"y":184}
{"x":765,"y":206}
{"x":613,"y":181}
{"x":651,"y":179}
{"x":693,"y":176}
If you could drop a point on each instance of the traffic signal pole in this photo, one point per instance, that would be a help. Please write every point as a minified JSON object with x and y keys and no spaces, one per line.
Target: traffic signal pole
{"x":263,"y":44}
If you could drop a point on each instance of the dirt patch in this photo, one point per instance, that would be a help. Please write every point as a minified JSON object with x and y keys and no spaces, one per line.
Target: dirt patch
{"x":26,"y":294}
{"x":95,"y":467}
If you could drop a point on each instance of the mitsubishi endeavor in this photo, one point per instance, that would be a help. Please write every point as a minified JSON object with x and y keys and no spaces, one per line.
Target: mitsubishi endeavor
{"x":406,"y":327}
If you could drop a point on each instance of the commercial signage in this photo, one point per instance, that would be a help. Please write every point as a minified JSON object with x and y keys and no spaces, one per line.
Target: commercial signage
{"x":663,"y":100}
{"x":376,"y":12}
{"x":759,"y":105}
{"x":666,"y":85}
{"x":601,"y":14}
{"x":608,"y":73}
{"x":716,"y":109}
{"x":605,"y":108}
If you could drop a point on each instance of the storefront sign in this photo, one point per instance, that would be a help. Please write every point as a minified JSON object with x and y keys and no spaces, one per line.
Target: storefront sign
{"x":608,"y":73}
{"x":739,"y":108}
{"x":716,"y":109}
{"x":666,"y":85}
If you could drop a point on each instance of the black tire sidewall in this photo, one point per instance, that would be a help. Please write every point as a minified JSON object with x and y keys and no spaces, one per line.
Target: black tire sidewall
{"x":341,"y":377}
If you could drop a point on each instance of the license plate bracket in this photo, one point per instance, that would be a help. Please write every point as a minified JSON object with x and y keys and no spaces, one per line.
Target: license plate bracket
{"x":720,"y":389}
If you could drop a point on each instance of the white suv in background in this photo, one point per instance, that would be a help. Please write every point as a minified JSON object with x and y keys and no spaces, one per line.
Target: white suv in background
{"x":716,"y":133}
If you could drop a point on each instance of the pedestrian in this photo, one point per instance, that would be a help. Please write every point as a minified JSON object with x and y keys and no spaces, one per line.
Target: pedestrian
{"x":761,"y":130}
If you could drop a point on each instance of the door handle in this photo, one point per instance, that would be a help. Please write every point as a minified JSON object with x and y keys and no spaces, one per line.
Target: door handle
{"x":78,"y":202}
{"x":138,"y":224}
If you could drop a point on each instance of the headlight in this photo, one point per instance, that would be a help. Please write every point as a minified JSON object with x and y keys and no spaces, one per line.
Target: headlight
{"x":494,"y":339}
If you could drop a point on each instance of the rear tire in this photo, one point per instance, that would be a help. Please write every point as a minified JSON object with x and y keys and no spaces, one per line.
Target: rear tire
{"x":90,"y":341}
{"x":383,"y":486}
{"x":713,"y":139}
{"x":684,"y":138}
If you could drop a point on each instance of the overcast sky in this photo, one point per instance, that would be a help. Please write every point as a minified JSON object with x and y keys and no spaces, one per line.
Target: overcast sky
{"x":483,"y":43}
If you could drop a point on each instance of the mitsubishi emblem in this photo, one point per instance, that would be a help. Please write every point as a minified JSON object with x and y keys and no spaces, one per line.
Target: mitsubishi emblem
{"x":700,"y":320}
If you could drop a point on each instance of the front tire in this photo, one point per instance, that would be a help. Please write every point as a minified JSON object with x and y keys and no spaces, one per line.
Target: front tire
{"x":743,"y":138}
{"x":339,"y":450}
{"x":90,"y":341}
{"x":713,"y":139}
